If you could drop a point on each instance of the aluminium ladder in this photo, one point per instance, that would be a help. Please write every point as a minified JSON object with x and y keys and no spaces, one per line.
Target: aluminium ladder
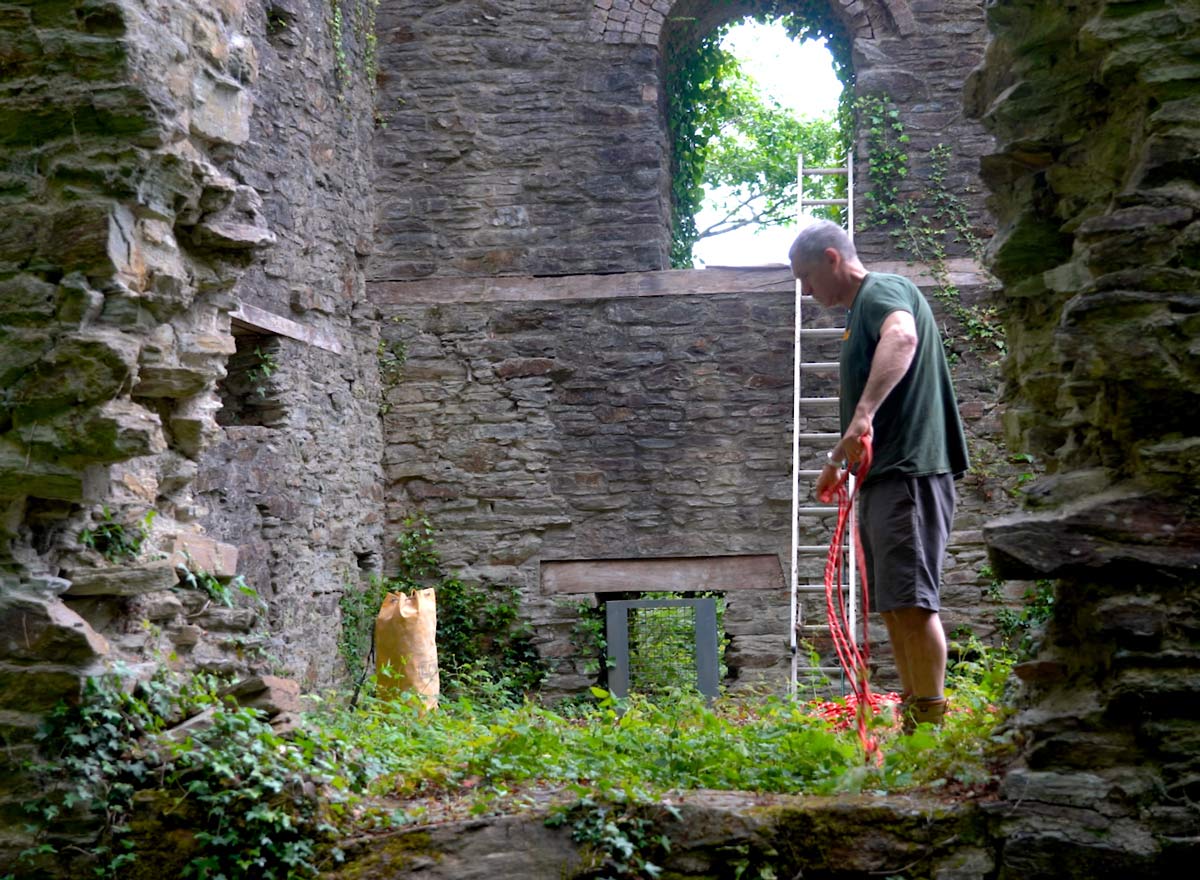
{"x":816,"y":442}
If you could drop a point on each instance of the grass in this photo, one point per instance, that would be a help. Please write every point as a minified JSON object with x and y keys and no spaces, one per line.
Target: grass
{"x":281,"y":804}
{"x":486,"y":755}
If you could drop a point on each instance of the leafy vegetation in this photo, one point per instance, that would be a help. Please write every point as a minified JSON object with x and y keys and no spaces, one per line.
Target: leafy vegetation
{"x":250,"y":796}
{"x":726,"y":133}
{"x":265,"y":365}
{"x":263,"y":805}
{"x":922,"y":226}
{"x":221,"y":592}
{"x":480,"y":635}
{"x":117,"y":541}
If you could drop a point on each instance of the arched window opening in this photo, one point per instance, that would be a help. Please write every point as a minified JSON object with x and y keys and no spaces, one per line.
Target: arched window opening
{"x":744,"y":99}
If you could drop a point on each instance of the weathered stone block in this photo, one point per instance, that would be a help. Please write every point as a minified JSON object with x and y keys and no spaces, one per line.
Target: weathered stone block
{"x":221,"y":110}
{"x":22,"y":473}
{"x":37,"y":689}
{"x":45,"y":630}
{"x":201,"y":553}
{"x":128,"y":580}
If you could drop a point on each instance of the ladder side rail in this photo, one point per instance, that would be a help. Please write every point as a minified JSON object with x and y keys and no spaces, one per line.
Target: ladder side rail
{"x":796,"y":393}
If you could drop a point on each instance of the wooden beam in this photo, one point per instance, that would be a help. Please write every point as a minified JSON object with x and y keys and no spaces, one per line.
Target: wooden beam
{"x":261,"y":321}
{"x":524,"y":288}
{"x":775,"y":278}
{"x":674,"y":574}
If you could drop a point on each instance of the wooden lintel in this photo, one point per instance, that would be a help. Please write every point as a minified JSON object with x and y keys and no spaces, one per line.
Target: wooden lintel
{"x":262,"y":321}
{"x":517,"y":288}
{"x":775,"y":279}
{"x":668,"y":574}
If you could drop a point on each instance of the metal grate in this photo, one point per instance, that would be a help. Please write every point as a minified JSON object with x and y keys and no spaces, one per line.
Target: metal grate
{"x":655,"y":645}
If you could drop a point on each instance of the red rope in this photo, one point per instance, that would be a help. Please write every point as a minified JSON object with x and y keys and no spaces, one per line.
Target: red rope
{"x":855,"y":660}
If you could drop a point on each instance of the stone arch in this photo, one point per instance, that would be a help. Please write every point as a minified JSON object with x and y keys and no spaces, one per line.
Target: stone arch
{"x":643,"y":21}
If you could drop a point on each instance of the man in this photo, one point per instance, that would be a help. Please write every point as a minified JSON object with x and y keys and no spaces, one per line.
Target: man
{"x":896,"y":391}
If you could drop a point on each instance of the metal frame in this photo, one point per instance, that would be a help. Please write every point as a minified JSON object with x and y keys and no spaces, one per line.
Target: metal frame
{"x":799,"y":367}
{"x":616,"y":614}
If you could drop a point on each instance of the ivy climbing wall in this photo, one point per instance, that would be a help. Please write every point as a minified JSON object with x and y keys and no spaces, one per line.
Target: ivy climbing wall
{"x":531,"y":138}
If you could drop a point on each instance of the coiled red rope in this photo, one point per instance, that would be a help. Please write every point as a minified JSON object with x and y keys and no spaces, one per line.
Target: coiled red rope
{"x":855,"y":660}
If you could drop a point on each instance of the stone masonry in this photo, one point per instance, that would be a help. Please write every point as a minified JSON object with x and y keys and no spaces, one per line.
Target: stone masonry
{"x":559,"y":427}
{"x":182,"y":184}
{"x":531,"y":138}
{"x":1097,"y":192}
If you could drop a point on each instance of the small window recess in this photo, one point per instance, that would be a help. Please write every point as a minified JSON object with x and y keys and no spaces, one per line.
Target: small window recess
{"x":250,"y":392}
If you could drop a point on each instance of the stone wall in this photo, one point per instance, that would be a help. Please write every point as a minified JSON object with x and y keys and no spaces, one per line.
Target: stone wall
{"x":175,"y":177}
{"x":601,"y":418}
{"x":1096,"y":180}
{"x":531,"y":138}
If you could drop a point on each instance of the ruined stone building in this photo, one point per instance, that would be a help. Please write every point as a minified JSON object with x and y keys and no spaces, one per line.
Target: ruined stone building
{"x":226,"y":224}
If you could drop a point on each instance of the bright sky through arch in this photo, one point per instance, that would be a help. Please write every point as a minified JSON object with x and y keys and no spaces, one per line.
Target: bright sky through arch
{"x":799,"y":76}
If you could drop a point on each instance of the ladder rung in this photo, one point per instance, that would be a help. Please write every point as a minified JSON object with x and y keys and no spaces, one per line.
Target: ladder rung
{"x":804,"y":400}
{"x":819,"y":365}
{"x":824,"y":171}
{"x":823,"y":549}
{"x":810,"y":588}
{"x":812,"y":627}
{"x":819,"y":437}
{"x":816,"y":510}
{"x":822,"y":202}
{"x":823,"y":331}
{"x":808,"y":473}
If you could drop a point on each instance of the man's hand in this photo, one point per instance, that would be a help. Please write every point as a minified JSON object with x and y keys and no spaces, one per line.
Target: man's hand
{"x":850,"y":447}
{"x":827,"y":482}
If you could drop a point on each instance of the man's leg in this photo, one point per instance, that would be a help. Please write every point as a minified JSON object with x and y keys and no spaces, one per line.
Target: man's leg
{"x":895,"y":638}
{"x":919,"y":644}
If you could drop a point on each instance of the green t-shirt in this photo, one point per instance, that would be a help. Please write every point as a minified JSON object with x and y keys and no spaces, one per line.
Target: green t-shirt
{"x":917,"y":430}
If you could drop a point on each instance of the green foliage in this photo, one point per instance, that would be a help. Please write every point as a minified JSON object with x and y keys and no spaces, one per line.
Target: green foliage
{"x":264,"y":806}
{"x":360,"y":606}
{"x":753,"y":161}
{"x":341,"y":65}
{"x":264,"y":367}
{"x":217,"y":590}
{"x":923,"y":226}
{"x":1019,"y":627}
{"x":253,"y":793}
{"x":365,"y":13}
{"x":587,"y":635}
{"x":392,"y":356}
{"x":256,"y":791}
{"x":623,"y":842}
{"x":725,"y":132}
{"x":636,"y":749}
{"x":116,"y":541}
{"x":698,"y":102}
{"x":480,"y":634}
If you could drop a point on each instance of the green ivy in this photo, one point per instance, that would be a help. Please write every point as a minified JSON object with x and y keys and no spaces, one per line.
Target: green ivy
{"x":219,"y":591}
{"x":252,"y":793}
{"x":922,"y":227}
{"x":624,"y":844}
{"x":117,"y":541}
{"x":702,"y":84}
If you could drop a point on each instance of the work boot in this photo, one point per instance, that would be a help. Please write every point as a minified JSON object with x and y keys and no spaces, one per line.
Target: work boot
{"x":922,"y":710}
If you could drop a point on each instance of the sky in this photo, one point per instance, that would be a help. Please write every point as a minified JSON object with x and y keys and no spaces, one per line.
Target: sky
{"x":798,"y":75}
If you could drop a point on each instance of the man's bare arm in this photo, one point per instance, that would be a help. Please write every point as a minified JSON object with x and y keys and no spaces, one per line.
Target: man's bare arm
{"x":893,"y":356}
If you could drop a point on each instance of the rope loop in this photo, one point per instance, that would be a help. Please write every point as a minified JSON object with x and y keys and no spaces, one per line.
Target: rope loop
{"x":855,"y":660}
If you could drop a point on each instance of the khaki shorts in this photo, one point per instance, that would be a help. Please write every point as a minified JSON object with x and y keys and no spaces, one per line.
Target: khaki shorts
{"x":905,"y":522}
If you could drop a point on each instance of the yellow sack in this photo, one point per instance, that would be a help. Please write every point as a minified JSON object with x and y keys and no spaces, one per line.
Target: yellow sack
{"x":406,"y":646}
